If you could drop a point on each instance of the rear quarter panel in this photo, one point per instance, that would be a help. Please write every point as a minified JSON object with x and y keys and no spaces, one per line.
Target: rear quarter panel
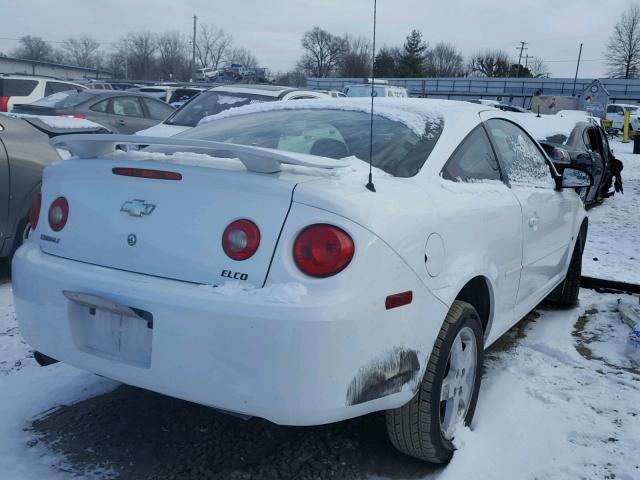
{"x":28,"y":153}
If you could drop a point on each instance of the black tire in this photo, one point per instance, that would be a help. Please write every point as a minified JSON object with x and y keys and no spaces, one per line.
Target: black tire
{"x":415,"y":428}
{"x":566,"y":294}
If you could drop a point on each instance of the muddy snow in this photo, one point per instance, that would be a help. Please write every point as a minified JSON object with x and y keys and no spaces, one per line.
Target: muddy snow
{"x":559,"y":400}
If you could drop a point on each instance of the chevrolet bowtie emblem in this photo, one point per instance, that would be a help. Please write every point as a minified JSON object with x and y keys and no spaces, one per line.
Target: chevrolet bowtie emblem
{"x":137,"y":208}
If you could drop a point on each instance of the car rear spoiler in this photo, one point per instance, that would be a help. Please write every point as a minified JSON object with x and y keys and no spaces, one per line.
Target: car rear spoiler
{"x":54,"y":131}
{"x":255,"y":159}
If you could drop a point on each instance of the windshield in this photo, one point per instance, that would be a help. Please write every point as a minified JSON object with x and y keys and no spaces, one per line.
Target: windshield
{"x":210,"y":103}
{"x":330,"y":133}
{"x":67,"y":99}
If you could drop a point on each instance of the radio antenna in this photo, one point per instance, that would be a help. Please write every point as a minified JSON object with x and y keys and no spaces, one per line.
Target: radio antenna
{"x":370,"y":186}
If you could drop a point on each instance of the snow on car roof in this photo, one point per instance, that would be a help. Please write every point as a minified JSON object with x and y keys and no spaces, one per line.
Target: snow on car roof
{"x":415,"y":113}
{"x":265,"y":90}
{"x":547,"y":126}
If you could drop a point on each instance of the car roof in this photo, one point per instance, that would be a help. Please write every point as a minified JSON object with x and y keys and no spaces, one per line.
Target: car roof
{"x":257,"y":89}
{"x":116,"y":93}
{"x":36,"y":77}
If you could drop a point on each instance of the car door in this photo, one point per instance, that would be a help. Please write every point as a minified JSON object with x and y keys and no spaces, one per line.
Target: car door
{"x":483,"y":219}
{"x":128,"y":115}
{"x":547,"y":220}
{"x":4,"y":193}
{"x":100,"y":113}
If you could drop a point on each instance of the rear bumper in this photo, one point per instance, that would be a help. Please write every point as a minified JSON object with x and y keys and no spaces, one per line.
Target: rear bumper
{"x":319,"y":360}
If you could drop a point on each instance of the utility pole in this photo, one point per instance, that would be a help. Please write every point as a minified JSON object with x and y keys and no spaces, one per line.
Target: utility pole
{"x":126,"y":59}
{"x":193,"y":51}
{"x":522,"y":49}
{"x":573,"y":92}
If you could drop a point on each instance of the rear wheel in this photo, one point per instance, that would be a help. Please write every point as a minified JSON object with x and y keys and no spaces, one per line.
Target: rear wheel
{"x":425,"y":427}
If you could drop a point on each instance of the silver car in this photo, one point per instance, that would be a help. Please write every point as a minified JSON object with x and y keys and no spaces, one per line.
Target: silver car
{"x":120,"y":112}
{"x":25,"y":152}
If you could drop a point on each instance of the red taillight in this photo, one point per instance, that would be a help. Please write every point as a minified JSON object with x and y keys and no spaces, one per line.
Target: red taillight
{"x":398,"y":300}
{"x":241,"y":239}
{"x":34,"y":213}
{"x":4,"y":103}
{"x":146,"y":173}
{"x":323,"y":250}
{"x":58,"y":214}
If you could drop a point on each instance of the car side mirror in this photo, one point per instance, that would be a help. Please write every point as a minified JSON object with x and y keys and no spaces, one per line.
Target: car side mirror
{"x":575,"y":178}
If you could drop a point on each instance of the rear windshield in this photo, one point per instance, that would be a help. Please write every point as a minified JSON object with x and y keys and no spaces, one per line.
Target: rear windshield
{"x":210,"y":103}
{"x":329,"y":133}
{"x":15,"y":87}
{"x":183,"y":94}
{"x":66,"y":99}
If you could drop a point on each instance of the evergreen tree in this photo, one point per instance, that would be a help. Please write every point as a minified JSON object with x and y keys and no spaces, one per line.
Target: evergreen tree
{"x":386,"y":63}
{"x":412,"y":58}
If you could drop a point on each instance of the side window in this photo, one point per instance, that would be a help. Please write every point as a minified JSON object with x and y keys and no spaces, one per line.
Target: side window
{"x":521,"y":158}
{"x":611,"y":109}
{"x":55,"y":87}
{"x":157,"y":110}
{"x":473,"y":160}
{"x":127,"y":106}
{"x":620,"y":110}
{"x":101,"y":107}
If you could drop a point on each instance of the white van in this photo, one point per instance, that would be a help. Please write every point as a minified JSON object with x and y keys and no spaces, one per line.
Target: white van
{"x":364,"y":90}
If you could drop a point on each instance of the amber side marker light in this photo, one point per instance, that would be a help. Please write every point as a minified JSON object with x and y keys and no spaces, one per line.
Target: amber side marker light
{"x":398,"y":300}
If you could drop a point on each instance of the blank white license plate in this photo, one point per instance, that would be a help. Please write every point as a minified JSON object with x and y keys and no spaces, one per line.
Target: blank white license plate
{"x":124,"y":337}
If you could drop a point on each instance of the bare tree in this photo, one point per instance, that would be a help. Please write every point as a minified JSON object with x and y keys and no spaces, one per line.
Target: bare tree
{"x":623,"y":48}
{"x":356,"y":61}
{"x":213,"y":45}
{"x":243,"y":56}
{"x":141,"y":49}
{"x":33,"y":48}
{"x":490,"y":63}
{"x":538,"y":68}
{"x":82,"y":51}
{"x":293,"y":78}
{"x":444,"y":60}
{"x":323,"y":52}
{"x":173,"y":58}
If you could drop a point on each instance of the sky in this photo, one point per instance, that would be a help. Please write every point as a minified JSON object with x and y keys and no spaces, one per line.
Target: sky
{"x":272,"y":29}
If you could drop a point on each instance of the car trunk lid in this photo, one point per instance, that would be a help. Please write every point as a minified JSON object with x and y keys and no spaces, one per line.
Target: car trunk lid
{"x":165,"y":228}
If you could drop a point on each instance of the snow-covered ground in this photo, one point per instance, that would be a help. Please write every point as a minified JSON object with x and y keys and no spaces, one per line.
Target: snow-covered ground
{"x":613,"y":248}
{"x":559,"y":400}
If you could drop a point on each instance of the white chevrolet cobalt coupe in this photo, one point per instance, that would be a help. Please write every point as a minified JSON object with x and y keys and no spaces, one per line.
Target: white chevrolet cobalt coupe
{"x":244,"y":265}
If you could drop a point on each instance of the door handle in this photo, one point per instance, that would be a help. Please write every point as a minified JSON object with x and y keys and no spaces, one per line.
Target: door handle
{"x":533,"y":222}
{"x":121,"y":122}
